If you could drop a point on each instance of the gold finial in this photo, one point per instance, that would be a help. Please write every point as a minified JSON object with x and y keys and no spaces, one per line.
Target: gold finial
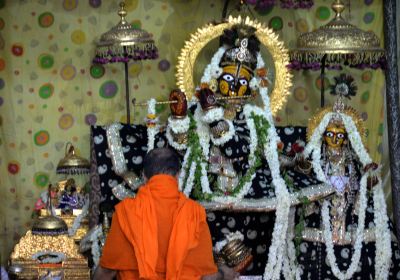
{"x":122,"y":12}
{"x":106,"y":223}
{"x":338,"y":8}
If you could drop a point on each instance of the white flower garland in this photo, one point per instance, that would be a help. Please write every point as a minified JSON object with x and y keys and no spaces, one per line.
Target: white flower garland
{"x":213,"y":70}
{"x":277,"y":248}
{"x":95,"y":238}
{"x":255,"y":81}
{"x":205,"y":184}
{"x":327,"y":234}
{"x":78,"y":220}
{"x":290,"y":269}
{"x":190,"y":179}
{"x":152,"y":127}
{"x":213,"y":115}
{"x":58,"y":257}
{"x":383,"y":248}
{"x":182,"y":174}
{"x":203,"y":132}
{"x":179,"y":125}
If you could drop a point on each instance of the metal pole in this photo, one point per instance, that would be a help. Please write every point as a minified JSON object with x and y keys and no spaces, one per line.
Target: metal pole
{"x":127,"y":98}
{"x":322,"y":77}
{"x":392,"y":105}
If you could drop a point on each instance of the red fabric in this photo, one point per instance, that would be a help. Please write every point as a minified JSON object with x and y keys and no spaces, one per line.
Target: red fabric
{"x":160,"y":213}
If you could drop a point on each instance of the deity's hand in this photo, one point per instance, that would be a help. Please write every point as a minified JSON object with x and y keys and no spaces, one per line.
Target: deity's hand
{"x":371,"y":167}
{"x":178,"y":109}
{"x":228,"y":273}
{"x":207,"y":99}
{"x":373,"y":180}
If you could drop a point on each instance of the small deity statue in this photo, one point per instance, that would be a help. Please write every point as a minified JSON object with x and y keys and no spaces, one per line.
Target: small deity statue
{"x":69,"y":197}
{"x":346,"y":235}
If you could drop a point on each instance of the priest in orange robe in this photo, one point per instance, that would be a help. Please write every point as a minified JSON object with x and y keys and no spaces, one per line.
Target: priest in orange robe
{"x":159,"y":234}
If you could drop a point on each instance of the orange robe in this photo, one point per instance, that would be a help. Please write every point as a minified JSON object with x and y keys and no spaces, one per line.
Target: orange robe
{"x":160,"y":234}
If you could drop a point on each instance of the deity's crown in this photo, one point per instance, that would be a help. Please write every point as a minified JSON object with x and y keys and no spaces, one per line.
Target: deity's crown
{"x":242,"y":47}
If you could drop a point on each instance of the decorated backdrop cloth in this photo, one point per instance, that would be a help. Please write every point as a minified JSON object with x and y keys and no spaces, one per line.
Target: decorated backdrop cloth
{"x":50,"y":94}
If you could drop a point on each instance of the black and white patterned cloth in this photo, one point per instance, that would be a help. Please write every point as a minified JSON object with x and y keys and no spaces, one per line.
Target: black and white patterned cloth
{"x":256,"y":227}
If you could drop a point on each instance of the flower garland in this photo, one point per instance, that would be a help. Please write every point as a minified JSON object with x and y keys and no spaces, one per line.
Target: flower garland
{"x":213,"y":115}
{"x":95,"y":238}
{"x":196,"y":156}
{"x":383,"y":248}
{"x":213,"y":70}
{"x":327,"y":234}
{"x":203,"y":133}
{"x":151,"y":122}
{"x":78,"y":220}
{"x":179,"y":125}
{"x":49,"y":257}
{"x":190,"y":179}
{"x":276,"y":250}
{"x":182,"y":174}
{"x":290,"y":269}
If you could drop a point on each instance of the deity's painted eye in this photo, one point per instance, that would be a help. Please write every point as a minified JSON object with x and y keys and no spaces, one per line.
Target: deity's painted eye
{"x":340,"y":135}
{"x":243,"y":82}
{"x":329,"y":134}
{"x":228,"y":77}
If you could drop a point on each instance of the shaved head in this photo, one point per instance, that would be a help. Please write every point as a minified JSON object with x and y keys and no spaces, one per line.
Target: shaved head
{"x":161,"y":161}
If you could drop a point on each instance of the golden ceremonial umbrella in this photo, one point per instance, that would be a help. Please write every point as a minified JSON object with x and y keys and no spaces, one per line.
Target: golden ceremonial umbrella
{"x":123,"y":43}
{"x":334,"y":44}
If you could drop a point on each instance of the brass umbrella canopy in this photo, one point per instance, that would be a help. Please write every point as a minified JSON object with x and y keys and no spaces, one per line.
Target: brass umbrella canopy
{"x":71,"y":163}
{"x":336,"y":43}
{"x":123,"y":43}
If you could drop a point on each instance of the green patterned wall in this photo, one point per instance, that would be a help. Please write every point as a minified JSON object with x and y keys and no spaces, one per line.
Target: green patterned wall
{"x":50,"y":94}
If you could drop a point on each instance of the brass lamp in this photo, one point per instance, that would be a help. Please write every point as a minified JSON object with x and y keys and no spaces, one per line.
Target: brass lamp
{"x":335,"y":43}
{"x":124,"y":43}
